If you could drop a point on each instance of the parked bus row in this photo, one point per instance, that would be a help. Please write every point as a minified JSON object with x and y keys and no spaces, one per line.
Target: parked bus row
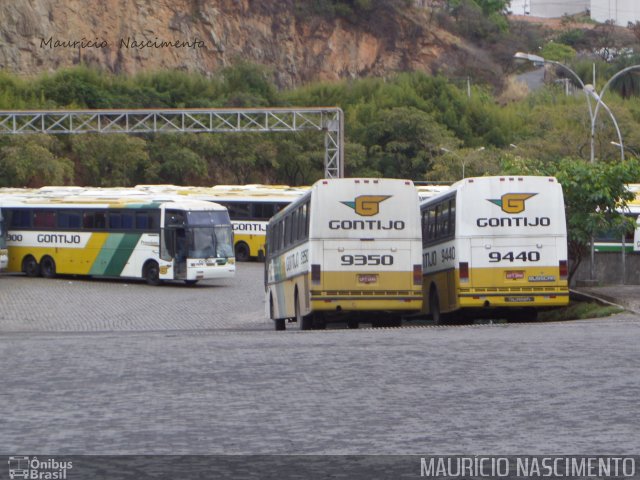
{"x":368,"y":250}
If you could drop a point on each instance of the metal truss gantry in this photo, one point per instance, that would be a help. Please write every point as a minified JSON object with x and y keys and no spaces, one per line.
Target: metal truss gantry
{"x":328,"y":120}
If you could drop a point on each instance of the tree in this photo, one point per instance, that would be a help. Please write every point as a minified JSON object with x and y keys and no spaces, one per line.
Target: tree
{"x":110,"y":160}
{"x":401,"y":142}
{"x":30,"y":163}
{"x":594,"y":195}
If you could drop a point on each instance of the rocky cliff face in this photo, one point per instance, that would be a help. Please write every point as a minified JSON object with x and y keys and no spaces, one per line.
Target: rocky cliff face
{"x":130,"y":36}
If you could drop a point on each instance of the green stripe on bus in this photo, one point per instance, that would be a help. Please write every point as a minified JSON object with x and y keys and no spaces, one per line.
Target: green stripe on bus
{"x":106,"y":252}
{"x":122,"y":253}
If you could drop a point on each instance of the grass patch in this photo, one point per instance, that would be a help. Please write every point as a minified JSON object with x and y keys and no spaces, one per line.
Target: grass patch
{"x":577,"y":310}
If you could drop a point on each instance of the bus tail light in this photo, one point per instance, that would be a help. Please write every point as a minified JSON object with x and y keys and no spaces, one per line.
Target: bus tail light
{"x":417,"y":274}
{"x":564,"y":270}
{"x":464,"y":271}
{"x":315,"y":274}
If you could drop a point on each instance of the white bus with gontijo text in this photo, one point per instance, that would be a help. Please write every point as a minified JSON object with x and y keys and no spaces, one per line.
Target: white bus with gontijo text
{"x":495,"y":246}
{"x":349,"y":249}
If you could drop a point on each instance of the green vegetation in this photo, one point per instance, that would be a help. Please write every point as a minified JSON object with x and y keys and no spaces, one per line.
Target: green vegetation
{"x":578,"y":311}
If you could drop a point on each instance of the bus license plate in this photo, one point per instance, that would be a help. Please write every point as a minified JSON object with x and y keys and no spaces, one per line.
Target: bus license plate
{"x":367,"y":278}
{"x":518,"y":299}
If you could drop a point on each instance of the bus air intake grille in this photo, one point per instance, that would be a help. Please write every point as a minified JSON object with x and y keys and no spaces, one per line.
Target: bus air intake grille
{"x":368,"y":293}
{"x":511,"y":289}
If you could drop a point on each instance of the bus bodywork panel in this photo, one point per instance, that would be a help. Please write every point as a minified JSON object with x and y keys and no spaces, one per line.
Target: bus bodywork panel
{"x":509,"y":249}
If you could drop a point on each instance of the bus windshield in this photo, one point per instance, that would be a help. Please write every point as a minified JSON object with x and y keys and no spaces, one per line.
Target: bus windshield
{"x":205,"y":242}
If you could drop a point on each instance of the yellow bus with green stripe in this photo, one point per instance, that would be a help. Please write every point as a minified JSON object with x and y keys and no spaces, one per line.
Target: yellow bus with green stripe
{"x":495,"y":247}
{"x":348,"y":250}
{"x":137,"y":236}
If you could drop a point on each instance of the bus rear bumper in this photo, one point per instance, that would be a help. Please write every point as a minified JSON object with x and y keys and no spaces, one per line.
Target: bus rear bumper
{"x":558,"y":299}
{"x":347,"y":304}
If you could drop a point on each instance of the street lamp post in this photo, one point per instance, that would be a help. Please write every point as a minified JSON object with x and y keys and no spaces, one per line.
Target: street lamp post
{"x":538,"y":60}
{"x":589,"y":90}
{"x":462,"y":161}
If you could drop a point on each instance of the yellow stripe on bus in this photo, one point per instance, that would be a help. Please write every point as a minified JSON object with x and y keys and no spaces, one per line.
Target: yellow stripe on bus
{"x":72,"y":261}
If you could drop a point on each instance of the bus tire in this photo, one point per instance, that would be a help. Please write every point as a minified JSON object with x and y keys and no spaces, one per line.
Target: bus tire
{"x":242,"y":252}
{"x":48,"y":267}
{"x":151,"y":273}
{"x":305,"y":322}
{"x":190,"y":282}
{"x":280,"y":324}
{"x":30,"y":266}
{"x":434,"y":306}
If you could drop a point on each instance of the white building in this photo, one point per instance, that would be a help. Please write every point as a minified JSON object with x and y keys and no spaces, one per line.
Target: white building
{"x":620,"y":11}
{"x":550,"y":9}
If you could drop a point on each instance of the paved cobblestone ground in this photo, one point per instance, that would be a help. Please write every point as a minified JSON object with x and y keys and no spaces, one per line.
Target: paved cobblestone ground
{"x":129,"y":369}
{"x":84,"y":304}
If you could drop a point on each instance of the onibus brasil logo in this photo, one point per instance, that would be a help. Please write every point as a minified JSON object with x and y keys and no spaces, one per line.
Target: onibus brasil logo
{"x":512,"y":202}
{"x":32,"y":468}
{"x":367,"y":205}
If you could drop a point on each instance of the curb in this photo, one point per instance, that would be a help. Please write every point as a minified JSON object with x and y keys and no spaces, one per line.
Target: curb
{"x":603,"y":299}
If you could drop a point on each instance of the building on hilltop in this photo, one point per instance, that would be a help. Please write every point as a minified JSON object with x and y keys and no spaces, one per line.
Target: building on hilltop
{"x":549,"y":8}
{"x":620,"y":12}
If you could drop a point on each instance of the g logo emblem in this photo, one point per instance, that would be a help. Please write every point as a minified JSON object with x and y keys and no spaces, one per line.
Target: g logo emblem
{"x":367,"y":205}
{"x":512,"y":202}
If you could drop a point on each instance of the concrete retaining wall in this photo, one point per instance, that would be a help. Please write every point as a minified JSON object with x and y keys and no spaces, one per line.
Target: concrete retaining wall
{"x":608,"y":270}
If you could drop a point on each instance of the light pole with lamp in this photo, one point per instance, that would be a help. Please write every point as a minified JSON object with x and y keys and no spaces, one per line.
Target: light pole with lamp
{"x":538,"y":60}
{"x":462,"y":162}
{"x":589,"y":91}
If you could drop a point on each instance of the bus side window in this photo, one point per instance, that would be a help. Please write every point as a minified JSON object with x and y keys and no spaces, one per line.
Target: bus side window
{"x":443,"y":227}
{"x":101,"y":220}
{"x":239,"y":209}
{"x":20,"y":218}
{"x":452,"y":217}
{"x":44,"y":218}
{"x":69,"y":219}
{"x":431,"y":223}
{"x":302,"y":221}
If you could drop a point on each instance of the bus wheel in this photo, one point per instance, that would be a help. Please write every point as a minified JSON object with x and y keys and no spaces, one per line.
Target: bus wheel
{"x":434,"y":307}
{"x":30,"y":267}
{"x":151,"y":274}
{"x":304,"y":322}
{"x":280,"y":323}
{"x":48,"y":267}
{"x":242,"y":251}
{"x":190,"y":282}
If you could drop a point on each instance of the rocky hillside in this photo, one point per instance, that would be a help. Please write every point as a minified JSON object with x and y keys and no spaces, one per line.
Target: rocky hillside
{"x":130,"y":36}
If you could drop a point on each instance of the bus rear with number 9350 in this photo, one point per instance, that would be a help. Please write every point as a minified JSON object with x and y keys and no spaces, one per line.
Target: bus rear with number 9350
{"x":361,"y":256}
